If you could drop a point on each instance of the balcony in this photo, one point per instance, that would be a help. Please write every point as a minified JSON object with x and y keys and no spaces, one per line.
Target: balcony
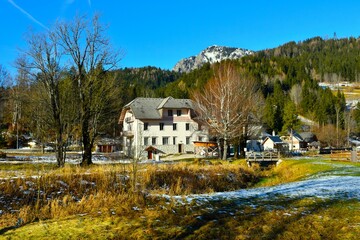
{"x":129,"y":119}
{"x":128,"y":134}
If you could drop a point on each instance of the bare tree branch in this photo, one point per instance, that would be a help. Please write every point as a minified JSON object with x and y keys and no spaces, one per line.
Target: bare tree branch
{"x":228,"y":102}
{"x":91,"y":55}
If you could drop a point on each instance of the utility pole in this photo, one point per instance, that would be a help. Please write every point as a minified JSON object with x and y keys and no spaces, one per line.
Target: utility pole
{"x":337,"y":109}
{"x":16,"y":119}
{"x":292,"y":139}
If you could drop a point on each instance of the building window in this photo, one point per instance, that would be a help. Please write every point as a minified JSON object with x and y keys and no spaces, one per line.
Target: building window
{"x":161,"y":126}
{"x":174,"y":126}
{"x":174,"y":140}
{"x":153,"y":140}
{"x":170,"y":113}
{"x":165,"y":140}
{"x":187,"y":126}
{"x":146,"y":126}
{"x":146,"y":141}
{"x":187,"y":140}
{"x":178,"y":112}
{"x":200,"y":139}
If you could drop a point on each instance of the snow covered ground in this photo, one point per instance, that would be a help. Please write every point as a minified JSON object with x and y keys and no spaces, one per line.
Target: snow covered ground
{"x":72,"y":158}
{"x":75,"y":158}
{"x":343,"y":183}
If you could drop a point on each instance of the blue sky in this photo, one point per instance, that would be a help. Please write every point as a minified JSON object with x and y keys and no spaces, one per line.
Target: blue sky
{"x":161,"y":32}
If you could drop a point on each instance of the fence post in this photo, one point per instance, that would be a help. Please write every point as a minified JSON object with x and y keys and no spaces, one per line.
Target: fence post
{"x":353,"y":156}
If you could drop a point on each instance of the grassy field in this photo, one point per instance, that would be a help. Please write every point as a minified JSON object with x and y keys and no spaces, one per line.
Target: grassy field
{"x":351,"y":93}
{"x":100,"y":202}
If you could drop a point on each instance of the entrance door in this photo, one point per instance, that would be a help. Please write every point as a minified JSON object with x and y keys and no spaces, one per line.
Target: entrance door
{"x":181,"y":148}
{"x":150,"y":155}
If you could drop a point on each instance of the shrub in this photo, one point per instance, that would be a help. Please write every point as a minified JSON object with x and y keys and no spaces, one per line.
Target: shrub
{"x":2,"y":154}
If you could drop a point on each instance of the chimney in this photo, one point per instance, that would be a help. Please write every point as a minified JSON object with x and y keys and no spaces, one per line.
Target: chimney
{"x":273,"y":132}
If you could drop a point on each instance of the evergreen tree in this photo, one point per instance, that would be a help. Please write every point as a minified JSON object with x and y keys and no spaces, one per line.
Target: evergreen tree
{"x":356,"y":117}
{"x":290,"y":117}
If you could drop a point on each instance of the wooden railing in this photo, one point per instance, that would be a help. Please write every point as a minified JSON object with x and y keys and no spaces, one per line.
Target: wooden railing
{"x":263,"y":156}
{"x":264,"y":159}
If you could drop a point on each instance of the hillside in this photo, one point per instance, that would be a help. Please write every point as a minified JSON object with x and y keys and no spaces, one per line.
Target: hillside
{"x":292,"y":72}
{"x":143,"y":82}
{"x":323,"y":60}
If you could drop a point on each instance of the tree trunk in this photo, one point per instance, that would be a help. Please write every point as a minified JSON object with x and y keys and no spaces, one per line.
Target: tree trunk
{"x":219,"y":147}
{"x":59,"y":147}
{"x":60,"y":156}
{"x":225,"y":149}
{"x":87,"y":154}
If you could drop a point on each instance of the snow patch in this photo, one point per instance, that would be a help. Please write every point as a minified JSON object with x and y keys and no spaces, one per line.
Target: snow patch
{"x":334,"y":185}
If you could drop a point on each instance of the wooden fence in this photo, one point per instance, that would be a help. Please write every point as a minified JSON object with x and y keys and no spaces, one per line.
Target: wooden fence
{"x":350,"y":156}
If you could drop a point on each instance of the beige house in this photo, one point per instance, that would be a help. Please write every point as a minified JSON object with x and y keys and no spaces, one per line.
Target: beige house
{"x":295,"y":141}
{"x":152,"y":126}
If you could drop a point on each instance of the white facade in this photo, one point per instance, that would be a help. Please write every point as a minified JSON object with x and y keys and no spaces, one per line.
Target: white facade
{"x":173,"y":131}
{"x":268,"y":145}
{"x":272,"y":142}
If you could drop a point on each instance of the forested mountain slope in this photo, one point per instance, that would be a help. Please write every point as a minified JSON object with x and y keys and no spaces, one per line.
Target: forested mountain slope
{"x":331,"y":60}
{"x":142,"y":82}
{"x":289,"y":74}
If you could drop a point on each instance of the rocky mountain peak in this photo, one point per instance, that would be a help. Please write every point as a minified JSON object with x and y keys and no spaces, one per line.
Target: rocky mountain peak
{"x":210,"y":55}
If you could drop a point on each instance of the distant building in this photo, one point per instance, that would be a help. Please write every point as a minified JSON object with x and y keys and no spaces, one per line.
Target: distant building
{"x":310,"y":140}
{"x":274,"y":143}
{"x":295,"y":141}
{"x":108,"y":145}
{"x":159,"y":125}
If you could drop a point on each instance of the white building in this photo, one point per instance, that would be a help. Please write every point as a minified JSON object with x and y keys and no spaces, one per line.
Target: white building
{"x":274,"y":143}
{"x":159,"y":125}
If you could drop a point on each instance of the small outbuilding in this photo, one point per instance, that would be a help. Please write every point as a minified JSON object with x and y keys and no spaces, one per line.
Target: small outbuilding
{"x":206,"y":149}
{"x":153,"y":153}
{"x":108,"y":145}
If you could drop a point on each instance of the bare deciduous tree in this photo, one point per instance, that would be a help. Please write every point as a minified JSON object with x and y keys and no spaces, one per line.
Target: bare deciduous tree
{"x":228,"y":102}
{"x":330,"y":136}
{"x":90,"y":55}
{"x":17,"y":104}
{"x":4,"y":82}
{"x":43,"y":63}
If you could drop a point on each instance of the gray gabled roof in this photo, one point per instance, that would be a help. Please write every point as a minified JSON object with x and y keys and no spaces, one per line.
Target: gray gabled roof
{"x":148,"y":108}
{"x":145,"y":108}
{"x":275,"y":139}
{"x":296,"y":135}
{"x":173,"y":103}
{"x":308,"y":136}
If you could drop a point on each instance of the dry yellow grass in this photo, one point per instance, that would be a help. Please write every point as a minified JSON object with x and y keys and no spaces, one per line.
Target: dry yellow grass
{"x":351,"y":93}
{"x":46,"y":193}
{"x":110,"y":208}
{"x":291,"y":170}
